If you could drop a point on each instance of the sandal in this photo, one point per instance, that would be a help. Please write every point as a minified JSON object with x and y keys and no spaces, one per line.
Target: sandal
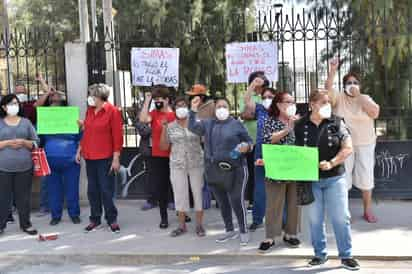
{"x":178,"y":231}
{"x":370,"y":218}
{"x":200,"y":231}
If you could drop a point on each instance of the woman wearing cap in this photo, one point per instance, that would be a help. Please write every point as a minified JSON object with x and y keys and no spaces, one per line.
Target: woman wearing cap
{"x":224,"y":135}
{"x":359,"y":111}
{"x":159,"y":169}
{"x":207,"y":106}
{"x":63,"y":182}
{"x":100,"y":146}
{"x":329,"y":134}
{"x":186,"y":162}
{"x":278,"y":129}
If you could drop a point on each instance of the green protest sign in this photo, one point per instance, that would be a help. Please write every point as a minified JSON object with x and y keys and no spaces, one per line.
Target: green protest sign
{"x":293,"y":163}
{"x":57,"y":120}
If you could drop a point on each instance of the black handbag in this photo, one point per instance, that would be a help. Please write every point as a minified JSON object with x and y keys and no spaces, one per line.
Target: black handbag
{"x":220,"y":173}
{"x":304,"y":193}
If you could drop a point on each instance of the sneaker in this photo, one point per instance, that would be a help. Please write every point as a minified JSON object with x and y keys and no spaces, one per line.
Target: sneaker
{"x":43,"y":212}
{"x":230,"y":235}
{"x":10,"y":219}
{"x":266,"y":246}
{"x":317,"y":261}
{"x":171,"y":206}
{"x":147,"y":206}
{"x":76,"y":220}
{"x":350,"y":264}
{"x":292,"y":242}
{"x":115,"y":228}
{"x":244,"y":238}
{"x":91,"y":227}
{"x":253,"y":227}
{"x":54,"y":221}
{"x":200,"y":231}
{"x":164,"y":225}
{"x":250,"y":208}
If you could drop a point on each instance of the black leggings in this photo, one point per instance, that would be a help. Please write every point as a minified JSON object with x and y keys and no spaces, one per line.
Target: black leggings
{"x":160,"y":175}
{"x":16,"y":185}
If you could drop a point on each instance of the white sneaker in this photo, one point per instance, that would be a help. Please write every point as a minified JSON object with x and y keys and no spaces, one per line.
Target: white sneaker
{"x":244,"y":238}
{"x":230,"y":235}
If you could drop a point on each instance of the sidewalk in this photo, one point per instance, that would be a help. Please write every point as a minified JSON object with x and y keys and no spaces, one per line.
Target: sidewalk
{"x":141,"y":239}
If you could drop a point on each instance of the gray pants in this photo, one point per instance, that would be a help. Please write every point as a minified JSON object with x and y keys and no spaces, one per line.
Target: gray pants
{"x":234,"y":199}
{"x":17,"y":185}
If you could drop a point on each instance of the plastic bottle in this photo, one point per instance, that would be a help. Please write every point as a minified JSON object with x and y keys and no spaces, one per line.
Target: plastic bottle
{"x":235,"y":153}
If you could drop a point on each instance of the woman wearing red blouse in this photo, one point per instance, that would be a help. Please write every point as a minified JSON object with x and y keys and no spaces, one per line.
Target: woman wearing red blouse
{"x":159,"y":164}
{"x":100,"y":146}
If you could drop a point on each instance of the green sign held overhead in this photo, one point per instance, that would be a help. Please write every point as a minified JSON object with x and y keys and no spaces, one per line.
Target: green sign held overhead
{"x":57,"y":120}
{"x":291,"y":163}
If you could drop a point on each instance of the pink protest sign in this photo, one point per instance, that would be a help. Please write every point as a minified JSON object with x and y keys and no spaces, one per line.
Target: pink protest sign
{"x":152,"y":66}
{"x":244,"y":58}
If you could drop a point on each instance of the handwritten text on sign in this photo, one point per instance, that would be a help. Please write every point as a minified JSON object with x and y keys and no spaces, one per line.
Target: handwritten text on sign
{"x":244,"y":58}
{"x":57,"y":120}
{"x":291,"y":163}
{"x":155,"y":66}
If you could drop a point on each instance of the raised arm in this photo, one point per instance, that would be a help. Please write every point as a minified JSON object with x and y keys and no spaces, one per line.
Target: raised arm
{"x":248,"y":113}
{"x":47,"y":91}
{"x":144,"y":116}
{"x":333,"y":68}
{"x":197,"y":127}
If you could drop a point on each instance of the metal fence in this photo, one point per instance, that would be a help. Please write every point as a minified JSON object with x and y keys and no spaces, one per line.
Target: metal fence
{"x":306,"y":39}
{"x":26,"y":53}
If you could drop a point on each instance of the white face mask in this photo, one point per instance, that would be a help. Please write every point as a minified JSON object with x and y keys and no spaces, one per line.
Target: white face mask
{"x":291,"y":110}
{"x":349,"y":87}
{"x":267,"y":103}
{"x":90,"y":101}
{"x":182,"y":112}
{"x":222,"y":113}
{"x":12,"y":110}
{"x":326,"y":111}
{"x":22,"y":97}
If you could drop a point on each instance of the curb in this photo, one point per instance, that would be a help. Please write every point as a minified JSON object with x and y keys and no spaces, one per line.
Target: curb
{"x":141,"y":259}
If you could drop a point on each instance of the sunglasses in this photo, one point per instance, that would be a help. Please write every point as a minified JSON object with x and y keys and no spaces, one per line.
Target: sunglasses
{"x":352,"y":83}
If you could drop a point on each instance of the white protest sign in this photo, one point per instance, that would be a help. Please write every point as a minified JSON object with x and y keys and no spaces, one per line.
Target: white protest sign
{"x":244,"y":58}
{"x":153,"y":66}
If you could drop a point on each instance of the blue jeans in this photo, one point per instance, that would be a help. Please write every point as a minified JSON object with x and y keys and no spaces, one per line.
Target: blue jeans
{"x":259,"y":193}
{"x":331,"y":196}
{"x":44,"y":196}
{"x":100,"y":191}
{"x":63,"y":182}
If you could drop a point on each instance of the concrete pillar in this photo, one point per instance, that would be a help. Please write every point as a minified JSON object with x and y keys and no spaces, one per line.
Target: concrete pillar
{"x":77,"y":84}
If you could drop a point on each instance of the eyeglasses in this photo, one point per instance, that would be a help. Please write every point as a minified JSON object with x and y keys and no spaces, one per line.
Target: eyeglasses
{"x":352,"y":83}
{"x":267,"y":97}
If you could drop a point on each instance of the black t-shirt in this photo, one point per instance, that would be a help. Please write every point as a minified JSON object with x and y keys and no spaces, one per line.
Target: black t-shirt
{"x":328,"y":137}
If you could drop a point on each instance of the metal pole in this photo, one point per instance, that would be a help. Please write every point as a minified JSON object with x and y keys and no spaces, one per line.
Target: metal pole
{"x":6,"y":32}
{"x":94,"y":19}
{"x":84,"y":21}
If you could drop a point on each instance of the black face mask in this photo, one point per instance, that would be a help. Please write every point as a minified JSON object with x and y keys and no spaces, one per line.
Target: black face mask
{"x":159,"y":105}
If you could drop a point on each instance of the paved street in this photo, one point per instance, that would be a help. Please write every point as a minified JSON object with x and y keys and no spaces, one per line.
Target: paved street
{"x":278,"y":267}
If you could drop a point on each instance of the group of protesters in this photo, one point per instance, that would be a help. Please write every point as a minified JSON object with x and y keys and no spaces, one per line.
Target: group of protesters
{"x":192,"y":143}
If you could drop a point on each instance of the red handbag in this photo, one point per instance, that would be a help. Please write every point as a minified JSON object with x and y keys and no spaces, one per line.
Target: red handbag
{"x":40,"y":165}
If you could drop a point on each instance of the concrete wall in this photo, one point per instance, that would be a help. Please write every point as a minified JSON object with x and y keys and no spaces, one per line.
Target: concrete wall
{"x":77,"y":83}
